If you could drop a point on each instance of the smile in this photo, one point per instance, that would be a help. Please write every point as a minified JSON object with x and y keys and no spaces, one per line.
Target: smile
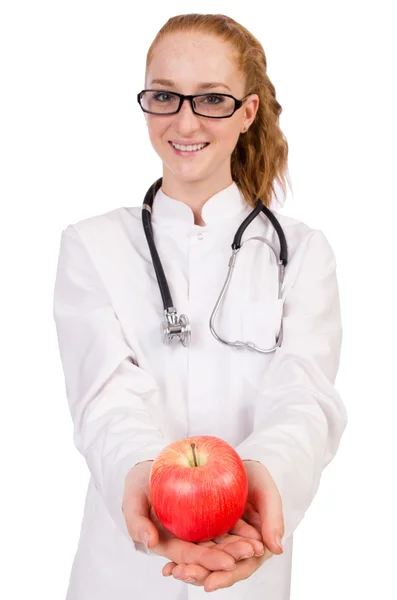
{"x":188,"y":150}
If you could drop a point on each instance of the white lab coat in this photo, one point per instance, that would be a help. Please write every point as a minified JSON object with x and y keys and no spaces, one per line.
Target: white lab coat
{"x":130,"y":395}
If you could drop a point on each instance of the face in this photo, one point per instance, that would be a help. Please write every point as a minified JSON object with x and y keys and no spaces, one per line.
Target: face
{"x":187,"y":60}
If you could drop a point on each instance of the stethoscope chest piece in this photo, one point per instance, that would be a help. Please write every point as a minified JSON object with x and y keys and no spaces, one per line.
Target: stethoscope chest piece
{"x":175,"y":327}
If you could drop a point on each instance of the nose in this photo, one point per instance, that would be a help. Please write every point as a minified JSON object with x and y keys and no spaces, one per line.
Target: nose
{"x":186,"y":119}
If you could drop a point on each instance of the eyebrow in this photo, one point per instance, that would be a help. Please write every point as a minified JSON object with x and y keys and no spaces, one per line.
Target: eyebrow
{"x":200,"y":86}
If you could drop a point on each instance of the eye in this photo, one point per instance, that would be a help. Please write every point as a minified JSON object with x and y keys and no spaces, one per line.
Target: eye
{"x":157,"y":96}
{"x":214,"y":98}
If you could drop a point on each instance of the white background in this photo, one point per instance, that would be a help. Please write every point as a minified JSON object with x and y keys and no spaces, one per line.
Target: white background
{"x":73,"y":144}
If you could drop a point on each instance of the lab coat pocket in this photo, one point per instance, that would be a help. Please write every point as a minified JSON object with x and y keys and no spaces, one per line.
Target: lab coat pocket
{"x":261,"y":322}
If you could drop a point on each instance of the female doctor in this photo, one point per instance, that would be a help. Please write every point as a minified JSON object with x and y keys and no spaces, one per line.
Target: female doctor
{"x":257,"y":372}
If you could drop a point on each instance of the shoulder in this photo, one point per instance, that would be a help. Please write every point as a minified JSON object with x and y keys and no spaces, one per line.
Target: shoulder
{"x":307,"y":245}
{"x":121,"y":221}
{"x":293,"y":227}
{"x":298,"y":233}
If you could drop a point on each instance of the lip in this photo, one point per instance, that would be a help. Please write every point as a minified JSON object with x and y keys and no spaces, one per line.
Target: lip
{"x":187,"y":143}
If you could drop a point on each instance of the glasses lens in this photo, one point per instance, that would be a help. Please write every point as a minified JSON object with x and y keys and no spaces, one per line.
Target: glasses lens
{"x":208,"y":105}
{"x":214,"y":105}
{"x":159,"y":102}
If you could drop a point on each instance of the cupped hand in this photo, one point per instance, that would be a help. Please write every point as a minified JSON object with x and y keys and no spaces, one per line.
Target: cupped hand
{"x":140,"y":517}
{"x":264,"y":513}
{"x":247,"y":562}
{"x":215,"y":580}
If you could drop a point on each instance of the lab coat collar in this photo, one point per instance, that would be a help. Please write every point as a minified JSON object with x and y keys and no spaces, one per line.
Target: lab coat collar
{"x":225,"y":204}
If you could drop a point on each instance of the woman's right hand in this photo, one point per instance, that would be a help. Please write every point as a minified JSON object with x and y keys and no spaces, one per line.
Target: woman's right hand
{"x":141,"y":518}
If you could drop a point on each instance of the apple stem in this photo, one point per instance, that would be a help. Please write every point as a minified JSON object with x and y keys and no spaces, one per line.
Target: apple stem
{"x":194,"y":454}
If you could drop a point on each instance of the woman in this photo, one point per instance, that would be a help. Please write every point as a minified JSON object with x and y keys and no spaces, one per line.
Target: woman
{"x":130,"y":394}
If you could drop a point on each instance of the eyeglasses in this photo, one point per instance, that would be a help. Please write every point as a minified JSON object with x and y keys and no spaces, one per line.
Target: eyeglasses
{"x":213,"y":106}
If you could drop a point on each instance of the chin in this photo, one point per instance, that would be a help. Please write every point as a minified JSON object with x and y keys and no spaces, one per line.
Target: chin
{"x":187,"y":175}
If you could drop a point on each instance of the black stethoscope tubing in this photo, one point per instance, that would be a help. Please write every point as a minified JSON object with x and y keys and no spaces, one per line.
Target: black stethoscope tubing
{"x":147,"y":226}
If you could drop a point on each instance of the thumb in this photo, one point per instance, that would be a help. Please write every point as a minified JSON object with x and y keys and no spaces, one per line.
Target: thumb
{"x":269,"y":506}
{"x":136,"y":510}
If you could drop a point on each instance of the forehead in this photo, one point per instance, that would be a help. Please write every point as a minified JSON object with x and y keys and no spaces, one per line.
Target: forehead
{"x":189,"y":58}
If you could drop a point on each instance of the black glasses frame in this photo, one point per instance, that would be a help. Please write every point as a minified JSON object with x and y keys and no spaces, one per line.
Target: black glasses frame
{"x":237,"y":103}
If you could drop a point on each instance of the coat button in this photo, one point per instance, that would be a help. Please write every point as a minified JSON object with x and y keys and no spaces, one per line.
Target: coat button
{"x":200,"y":236}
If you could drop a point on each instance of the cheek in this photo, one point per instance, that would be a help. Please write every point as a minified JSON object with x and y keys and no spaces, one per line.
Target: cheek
{"x":234,"y":134}
{"x":155,"y":130}
{"x":228,"y":136}
{"x":228,"y":144}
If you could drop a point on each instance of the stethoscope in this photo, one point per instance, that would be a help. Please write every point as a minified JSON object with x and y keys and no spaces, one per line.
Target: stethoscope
{"x":178,"y":327}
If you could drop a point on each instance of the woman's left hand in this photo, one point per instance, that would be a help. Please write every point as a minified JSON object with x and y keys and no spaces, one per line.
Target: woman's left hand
{"x":264,"y":512}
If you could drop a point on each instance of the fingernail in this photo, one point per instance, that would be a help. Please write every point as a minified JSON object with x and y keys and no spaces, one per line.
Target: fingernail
{"x":145,"y":538}
{"x":247,"y":556}
{"x":190,"y":580}
{"x":279,"y":541}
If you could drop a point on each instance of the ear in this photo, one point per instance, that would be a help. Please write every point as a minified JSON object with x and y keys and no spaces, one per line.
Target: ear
{"x":251,"y":106}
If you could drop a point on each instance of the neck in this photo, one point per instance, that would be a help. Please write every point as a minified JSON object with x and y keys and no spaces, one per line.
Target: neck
{"x":195,"y":192}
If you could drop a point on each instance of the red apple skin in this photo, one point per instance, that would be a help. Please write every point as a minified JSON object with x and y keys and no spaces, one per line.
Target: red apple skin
{"x":198,"y":503}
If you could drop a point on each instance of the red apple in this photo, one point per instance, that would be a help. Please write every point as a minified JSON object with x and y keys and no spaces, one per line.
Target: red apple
{"x":198,"y":488}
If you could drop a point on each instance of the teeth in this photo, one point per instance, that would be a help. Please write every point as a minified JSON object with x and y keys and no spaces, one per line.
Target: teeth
{"x":189,"y":148}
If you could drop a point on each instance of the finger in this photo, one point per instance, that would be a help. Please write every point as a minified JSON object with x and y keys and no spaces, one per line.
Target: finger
{"x":136,"y":509}
{"x":265,"y":498}
{"x":243,"y":570}
{"x":242,"y":549}
{"x":189,"y":573}
{"x":216,"y":581}
{"x":180,"y":551}
{"x":167,"y":569}
{"x":252,"y":517}
{"x":245,"y":529}
{"x":237,"y":546}
{"x":268,"y":501}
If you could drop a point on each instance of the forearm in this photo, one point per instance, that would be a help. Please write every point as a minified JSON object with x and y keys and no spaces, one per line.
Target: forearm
{"x":300,"y":417}
{"x":108,"y":394}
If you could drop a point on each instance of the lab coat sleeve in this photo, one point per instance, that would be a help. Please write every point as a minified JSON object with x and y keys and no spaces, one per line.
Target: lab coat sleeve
{"x":106,"y":391}
{"x":300,"y":417}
